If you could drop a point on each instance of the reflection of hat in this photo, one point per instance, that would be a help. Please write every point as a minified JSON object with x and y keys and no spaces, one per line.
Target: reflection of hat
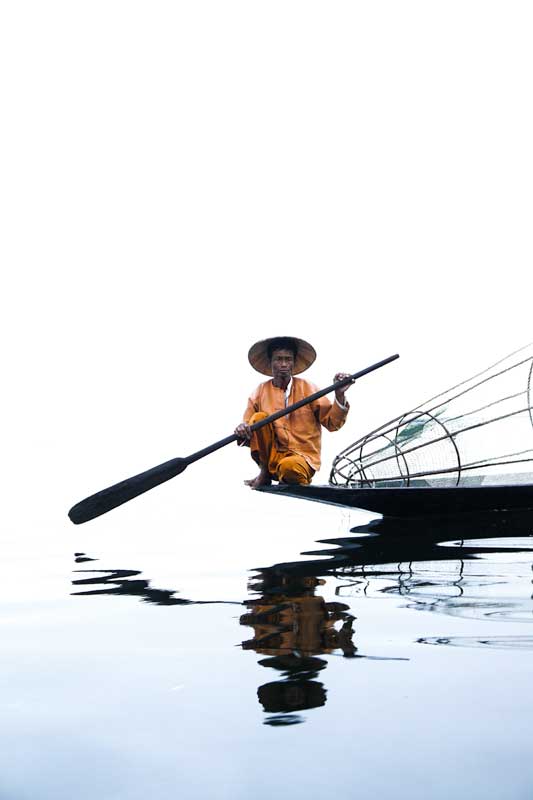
{"x":287,"y":696}
{"x":260,"y":353}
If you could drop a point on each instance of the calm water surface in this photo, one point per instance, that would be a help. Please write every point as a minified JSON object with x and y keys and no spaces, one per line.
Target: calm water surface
{"x":269,"y":651}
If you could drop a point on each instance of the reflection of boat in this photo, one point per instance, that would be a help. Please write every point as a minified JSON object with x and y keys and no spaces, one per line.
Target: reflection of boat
{"x":416,"y":500}
{"x":129,"y":582}
{"x":390,"y":540}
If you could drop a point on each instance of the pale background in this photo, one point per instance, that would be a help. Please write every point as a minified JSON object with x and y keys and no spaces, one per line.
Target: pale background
{"x":178,"y":180}
{"x":182,"y":179}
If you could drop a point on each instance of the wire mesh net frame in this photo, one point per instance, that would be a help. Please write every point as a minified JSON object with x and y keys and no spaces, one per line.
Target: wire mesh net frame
{"x":465,"y":435}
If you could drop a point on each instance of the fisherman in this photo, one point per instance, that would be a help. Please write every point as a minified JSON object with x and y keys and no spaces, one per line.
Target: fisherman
{"x":288,"y":449}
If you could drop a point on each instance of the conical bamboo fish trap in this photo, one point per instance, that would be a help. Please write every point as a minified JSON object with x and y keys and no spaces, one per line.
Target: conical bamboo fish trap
{"x":478,"y":432}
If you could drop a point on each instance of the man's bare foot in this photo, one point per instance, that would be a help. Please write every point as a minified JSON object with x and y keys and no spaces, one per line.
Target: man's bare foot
{"x":263,"y":479}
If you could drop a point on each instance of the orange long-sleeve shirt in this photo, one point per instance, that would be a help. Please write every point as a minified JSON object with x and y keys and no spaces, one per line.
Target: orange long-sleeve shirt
{"x":299,"y":431}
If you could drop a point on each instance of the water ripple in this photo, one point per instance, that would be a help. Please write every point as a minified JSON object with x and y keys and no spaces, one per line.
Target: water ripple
{"x":496,"y":642}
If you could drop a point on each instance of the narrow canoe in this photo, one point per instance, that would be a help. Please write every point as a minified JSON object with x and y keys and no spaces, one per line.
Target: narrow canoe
{"x":415,"y":501}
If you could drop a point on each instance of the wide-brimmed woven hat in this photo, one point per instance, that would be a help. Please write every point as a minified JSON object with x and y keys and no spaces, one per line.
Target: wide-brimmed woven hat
{"x":259,"y":357}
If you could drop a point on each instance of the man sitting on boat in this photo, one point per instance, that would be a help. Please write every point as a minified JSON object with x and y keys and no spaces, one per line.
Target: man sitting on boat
{"x":288,"y":449}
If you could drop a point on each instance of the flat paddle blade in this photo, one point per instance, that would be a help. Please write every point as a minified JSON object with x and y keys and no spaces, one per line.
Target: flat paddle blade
{"x":102,"y":502}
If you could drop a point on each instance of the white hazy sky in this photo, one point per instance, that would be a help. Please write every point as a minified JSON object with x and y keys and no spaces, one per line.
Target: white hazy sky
{"x":180,"y":179}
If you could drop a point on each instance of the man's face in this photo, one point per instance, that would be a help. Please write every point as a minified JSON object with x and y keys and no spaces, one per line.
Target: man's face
{"x":282,"y":364}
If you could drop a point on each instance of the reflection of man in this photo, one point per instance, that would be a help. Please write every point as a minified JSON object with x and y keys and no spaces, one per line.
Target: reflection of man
{"x":290,"y":618}
{"x":288,"y":449}
{"x":292,"y":626}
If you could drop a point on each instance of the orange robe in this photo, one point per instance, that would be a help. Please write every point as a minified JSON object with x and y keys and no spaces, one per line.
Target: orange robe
{"x":300,"y":431}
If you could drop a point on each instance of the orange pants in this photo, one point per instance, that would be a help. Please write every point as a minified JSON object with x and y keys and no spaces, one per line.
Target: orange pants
{"x":284,"y":465}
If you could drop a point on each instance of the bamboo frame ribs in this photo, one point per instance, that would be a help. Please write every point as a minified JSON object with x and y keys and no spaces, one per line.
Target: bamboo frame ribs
{"x":467,"y":435}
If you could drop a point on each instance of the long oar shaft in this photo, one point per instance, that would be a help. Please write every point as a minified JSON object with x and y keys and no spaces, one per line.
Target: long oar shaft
{"x":107,"y":499}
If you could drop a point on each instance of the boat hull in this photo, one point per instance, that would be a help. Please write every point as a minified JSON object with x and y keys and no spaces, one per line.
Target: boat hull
{"x":410,"y":501}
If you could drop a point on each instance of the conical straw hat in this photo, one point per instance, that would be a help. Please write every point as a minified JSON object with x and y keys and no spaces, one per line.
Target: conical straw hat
{"x":259,"y":358}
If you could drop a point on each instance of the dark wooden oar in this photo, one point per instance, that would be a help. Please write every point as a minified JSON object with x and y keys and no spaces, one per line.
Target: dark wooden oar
{"x":113,"y":496}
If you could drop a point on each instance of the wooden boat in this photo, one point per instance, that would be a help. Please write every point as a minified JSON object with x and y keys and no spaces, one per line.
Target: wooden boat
{"x":448,"y":454}
{"x":416,"y":501}
{"x":445,"y":457}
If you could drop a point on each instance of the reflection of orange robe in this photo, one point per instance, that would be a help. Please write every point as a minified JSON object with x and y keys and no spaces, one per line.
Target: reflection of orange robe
{"x":298,"y":432}
{"x":302,"y":623}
